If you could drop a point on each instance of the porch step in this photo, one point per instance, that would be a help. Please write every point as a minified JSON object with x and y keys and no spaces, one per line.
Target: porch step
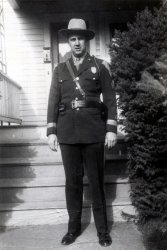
{"x":58,"y":216}
{"x":20,"y":183}
{"x":35,"y":186}
{"x":4,"y":207}
{"x":24,"y":133}
{"x":38,"y":151}
{"x":32,"y":176}
{"x":55,"y":169}
{"x":28,"y":153}
{"x":19,"y":198}
{"x":52,"y":181}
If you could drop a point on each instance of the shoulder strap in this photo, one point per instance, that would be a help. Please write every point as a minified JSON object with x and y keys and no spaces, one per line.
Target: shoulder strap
{"x":70,"y":70}
{"x":75,"y":78}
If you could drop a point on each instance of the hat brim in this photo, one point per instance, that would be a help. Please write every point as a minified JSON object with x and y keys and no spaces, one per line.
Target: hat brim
{"x":89,"y":34}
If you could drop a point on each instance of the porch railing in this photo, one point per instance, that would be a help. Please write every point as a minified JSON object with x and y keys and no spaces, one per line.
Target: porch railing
{"x":9,"y":100}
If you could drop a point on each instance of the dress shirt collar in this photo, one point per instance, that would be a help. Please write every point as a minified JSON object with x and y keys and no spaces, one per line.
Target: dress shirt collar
{"x":78,"y":60}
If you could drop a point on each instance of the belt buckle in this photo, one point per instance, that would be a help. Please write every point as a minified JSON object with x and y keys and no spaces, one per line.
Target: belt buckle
{"x":74,"y":104}
{"x":77,"y":104}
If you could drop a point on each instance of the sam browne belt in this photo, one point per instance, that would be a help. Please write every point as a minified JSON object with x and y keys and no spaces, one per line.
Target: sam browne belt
{"x":74,"y":104}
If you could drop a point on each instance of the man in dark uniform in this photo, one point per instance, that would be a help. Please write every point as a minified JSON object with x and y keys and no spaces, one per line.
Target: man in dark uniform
{"x":82,"y":124}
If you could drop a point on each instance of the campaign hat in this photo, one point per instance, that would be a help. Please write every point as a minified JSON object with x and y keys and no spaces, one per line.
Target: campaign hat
{"x":77,"y":26}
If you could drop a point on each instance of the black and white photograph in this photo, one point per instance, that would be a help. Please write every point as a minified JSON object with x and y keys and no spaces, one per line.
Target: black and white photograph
{"x":83,"y":124}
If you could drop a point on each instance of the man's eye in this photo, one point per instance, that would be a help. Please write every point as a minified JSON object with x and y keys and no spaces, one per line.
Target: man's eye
{"x":73,"y":40}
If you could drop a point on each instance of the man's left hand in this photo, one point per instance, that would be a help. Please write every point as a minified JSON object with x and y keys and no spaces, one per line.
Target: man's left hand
{"x":110,"y":140}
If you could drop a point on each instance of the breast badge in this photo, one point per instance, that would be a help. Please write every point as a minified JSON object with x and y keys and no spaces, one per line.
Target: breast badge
{"x":94,"y":70}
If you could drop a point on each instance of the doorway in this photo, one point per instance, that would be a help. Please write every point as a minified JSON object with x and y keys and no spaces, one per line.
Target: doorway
{"x":60,"y":48}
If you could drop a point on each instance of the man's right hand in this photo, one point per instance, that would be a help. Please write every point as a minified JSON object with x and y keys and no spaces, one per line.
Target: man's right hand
{"x":52,"y":141}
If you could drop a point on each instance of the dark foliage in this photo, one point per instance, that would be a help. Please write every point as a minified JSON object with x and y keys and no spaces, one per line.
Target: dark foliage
{"x":139,"y":66}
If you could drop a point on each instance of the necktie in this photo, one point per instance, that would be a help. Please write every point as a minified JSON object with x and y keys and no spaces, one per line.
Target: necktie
{"x":77,"y":63}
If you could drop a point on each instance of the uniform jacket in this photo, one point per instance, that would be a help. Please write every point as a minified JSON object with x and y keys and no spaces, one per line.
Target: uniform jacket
{"x":83,"y":125}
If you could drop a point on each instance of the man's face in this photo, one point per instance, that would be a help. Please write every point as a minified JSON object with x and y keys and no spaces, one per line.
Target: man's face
{"x":77,"y":44}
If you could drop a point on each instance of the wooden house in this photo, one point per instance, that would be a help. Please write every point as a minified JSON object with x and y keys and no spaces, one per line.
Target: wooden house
{"x":31,"y":175}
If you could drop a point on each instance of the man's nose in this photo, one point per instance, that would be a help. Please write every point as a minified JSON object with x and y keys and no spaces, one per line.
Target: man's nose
{"x":77,"y":42}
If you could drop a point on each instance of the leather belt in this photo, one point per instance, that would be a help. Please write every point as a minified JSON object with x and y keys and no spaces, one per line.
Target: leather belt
{"x":74,"y":104}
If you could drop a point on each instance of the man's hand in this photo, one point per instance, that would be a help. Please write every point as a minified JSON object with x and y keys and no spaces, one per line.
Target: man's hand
{"x":110,"y":140}
{"x":52,"y":141}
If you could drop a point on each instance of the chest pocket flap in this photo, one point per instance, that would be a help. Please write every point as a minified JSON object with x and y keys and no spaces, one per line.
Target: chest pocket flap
{"x":91,"y":74}
{"x":62,"y":78}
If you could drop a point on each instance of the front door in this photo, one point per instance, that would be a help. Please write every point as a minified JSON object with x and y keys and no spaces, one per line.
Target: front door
{"x":60,"y":47}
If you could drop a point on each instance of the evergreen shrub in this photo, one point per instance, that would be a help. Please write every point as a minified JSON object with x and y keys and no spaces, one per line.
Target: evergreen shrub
{"x":139,"y":69}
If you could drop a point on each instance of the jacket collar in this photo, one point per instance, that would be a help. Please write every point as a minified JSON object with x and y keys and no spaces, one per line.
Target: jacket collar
{"x":84,"y":66}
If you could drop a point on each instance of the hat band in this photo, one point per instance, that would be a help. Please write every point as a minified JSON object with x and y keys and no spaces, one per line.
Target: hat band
{"x":76,"y":29}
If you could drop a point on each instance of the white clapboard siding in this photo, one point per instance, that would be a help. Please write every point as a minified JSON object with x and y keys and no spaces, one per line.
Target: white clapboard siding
{"x":33,"y":73}
{"x":33,"y":32}
{"x":25,"y":19}
{"x":36,"y":54}
{"x":34,"y":89}
{"x":24,"y":55}
{"x":37,"y":43}
{"x":34,"y":95}
{"x":32,"y":38}
{"x":36,"y":60}
{"x":33,"y":102}
{"x":22,"y":27}
{"x":35,"y":118}
{"x":30,"y":49}
{"x":34,"y":80}
{"x":40,"y":112}
{"x":35,"y":106}
{"x":35,"y":66}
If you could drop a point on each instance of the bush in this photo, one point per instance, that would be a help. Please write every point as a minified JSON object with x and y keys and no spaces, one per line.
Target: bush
{"x":139,"y":68}
{"x":154,"y":235}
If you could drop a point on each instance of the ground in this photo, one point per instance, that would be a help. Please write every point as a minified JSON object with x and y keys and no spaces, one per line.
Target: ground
{"x":47,"y":237}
